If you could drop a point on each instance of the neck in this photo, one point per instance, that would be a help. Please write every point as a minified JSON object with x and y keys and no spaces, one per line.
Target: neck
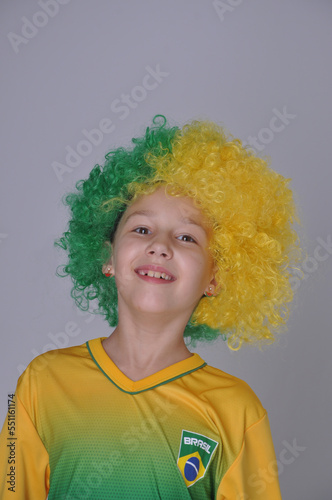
{"x":140,"y":350}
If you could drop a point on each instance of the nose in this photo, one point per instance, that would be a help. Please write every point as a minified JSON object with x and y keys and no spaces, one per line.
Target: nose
{"x":160,"y":247}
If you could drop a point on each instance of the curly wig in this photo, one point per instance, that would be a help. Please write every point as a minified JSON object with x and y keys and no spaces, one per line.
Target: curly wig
{"x":250,"y":208}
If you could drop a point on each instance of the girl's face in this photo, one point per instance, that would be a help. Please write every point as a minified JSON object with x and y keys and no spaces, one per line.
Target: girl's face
{"x":160,"y":258}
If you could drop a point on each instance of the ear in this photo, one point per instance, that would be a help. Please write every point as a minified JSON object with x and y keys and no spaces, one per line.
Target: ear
{"x":108,"y":268}
{"x":213,"y":287}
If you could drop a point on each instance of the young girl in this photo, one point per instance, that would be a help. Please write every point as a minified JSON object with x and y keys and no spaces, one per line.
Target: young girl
{"x":185,"y":237}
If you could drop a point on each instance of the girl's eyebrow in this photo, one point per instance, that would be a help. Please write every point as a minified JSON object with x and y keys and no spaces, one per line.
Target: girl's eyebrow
{"x":150,"y":213}
{"x":138,"y":212}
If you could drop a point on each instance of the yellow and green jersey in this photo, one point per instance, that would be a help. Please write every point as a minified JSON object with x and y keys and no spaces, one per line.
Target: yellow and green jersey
{"x":78,"y":428}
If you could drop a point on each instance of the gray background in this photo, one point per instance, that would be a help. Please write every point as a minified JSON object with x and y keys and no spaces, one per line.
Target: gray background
{"x":239,"y":63}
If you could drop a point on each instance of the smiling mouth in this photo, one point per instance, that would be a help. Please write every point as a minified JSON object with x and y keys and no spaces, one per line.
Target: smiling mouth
{"x":155,"y":274}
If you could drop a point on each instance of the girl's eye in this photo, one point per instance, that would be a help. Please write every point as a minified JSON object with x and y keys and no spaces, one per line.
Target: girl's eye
{"x":186,"y":237}
{"x":141,"y":230}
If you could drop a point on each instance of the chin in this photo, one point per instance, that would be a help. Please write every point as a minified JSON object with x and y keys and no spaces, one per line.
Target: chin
{"x":153,"y":307}
{"x":150,"y":309}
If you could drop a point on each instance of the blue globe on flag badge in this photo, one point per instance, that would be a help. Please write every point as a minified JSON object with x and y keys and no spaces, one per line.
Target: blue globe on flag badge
{"x":191,"y":469}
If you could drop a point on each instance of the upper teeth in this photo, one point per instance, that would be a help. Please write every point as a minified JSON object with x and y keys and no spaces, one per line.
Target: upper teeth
{"x":154,"y":274}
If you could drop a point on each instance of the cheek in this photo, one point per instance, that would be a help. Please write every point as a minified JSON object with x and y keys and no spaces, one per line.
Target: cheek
{"x":124,"y":262}
{"x":197,"y":266}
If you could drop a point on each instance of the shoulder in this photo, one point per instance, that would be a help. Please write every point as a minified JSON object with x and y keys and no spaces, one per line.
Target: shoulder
{"x":51,"y":364}
{"x":229,"y":395}
{"x":54,"y":358}
{"x":228,"y":382}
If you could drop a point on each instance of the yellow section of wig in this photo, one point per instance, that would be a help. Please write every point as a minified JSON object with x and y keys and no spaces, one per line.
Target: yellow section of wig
{"x":251,"y":210}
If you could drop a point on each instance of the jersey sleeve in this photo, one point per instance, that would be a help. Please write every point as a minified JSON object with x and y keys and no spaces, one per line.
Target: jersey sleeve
{"x":254,"y":473}
{"x":24,"y":462}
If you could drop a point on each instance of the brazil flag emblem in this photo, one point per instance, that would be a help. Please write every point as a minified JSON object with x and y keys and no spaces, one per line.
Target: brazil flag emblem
{"x":195,"y":455}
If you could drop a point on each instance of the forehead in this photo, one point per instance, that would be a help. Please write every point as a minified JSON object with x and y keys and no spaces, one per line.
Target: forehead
{"x":162,"y":203}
